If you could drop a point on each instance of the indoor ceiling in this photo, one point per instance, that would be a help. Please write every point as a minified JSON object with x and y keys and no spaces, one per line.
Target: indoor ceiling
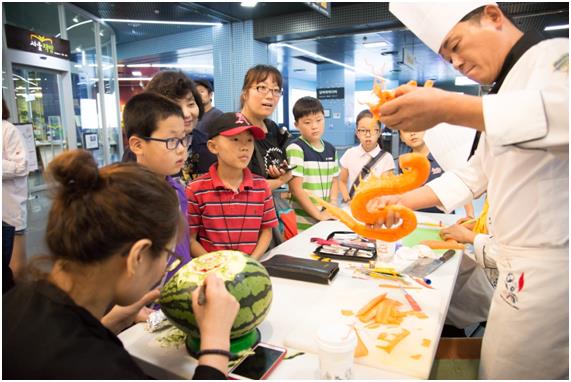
{"x":393,"y":60}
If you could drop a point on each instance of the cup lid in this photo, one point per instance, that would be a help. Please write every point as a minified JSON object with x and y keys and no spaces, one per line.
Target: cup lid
{"x":336,"y":338}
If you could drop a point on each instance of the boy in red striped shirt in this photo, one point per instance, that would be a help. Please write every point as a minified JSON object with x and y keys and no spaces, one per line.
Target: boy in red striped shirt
{"x":229,"y":207}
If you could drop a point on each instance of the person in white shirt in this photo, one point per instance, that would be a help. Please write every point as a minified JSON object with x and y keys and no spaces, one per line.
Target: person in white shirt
{"x":522,"y":160}
{"x":14,"y":193}
{"x":369,"y":153}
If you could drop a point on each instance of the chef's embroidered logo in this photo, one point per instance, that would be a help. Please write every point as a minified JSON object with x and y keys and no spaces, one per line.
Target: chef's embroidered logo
{"x":511,"y":289}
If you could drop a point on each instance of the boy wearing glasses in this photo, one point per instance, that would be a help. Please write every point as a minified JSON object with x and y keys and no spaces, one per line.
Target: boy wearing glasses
{"x":317,"y":166}
{"x":156,"y":132}
{"x":359,"y":161}
{"x":229,"y":208}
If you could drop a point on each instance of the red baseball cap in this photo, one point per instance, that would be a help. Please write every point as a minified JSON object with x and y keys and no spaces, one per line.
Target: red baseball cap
{"x":230,"y":124}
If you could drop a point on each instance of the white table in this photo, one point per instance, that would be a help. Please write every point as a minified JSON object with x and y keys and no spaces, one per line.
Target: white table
{"x":292,"y":301}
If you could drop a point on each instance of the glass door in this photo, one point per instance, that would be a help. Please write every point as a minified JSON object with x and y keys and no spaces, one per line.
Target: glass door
{"x":37,"y":93}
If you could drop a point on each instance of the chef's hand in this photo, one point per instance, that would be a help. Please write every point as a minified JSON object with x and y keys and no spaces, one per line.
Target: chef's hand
{"x":121,"y":317}
{"x":381,"y":202}
{"x":465,"y":219}
{"x":414,"y":109}
{"x":459,"y":233}
{"x":216,"y":316}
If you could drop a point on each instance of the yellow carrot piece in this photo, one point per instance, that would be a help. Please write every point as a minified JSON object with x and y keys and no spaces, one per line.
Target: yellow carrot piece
{"x":396,"y":286}
{"x":346,"y":312}
{"x":426,"y":342}
{"x":384,"y":311}
{"x":364,"y":318}
{"x":373,"y":325}
{"x":361,"y":350}
{"x":416,"y":356}
{"x":371,"y":304}
{"x":395,"y":341}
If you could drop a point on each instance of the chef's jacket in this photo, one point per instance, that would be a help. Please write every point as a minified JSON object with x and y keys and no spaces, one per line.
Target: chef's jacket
{"x":522,"y":159}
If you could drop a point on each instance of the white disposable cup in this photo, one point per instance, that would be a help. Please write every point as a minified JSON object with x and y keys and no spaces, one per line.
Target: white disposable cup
{"x":336,"y":345}
{"x":385,"y":251}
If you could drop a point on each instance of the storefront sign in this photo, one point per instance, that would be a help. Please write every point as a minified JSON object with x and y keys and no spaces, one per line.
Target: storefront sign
{"x":323,"y":7}
{"x":17,"y":38}
{"x":331,"y":93}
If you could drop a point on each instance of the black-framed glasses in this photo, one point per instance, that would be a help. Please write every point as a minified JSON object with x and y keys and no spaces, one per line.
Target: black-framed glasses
{"x":172,"y":143}
{"x":368,"y":131}
{"x":173,"y":260}
{"x":263,"y":89}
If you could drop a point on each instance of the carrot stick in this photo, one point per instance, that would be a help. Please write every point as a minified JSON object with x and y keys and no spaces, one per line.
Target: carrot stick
{"x":371,"y":304}
{"x":384,"y":311}
{"x":439,"y":244}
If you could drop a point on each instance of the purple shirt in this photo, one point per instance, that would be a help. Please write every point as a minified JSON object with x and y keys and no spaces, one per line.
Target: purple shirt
{"x":183,"y":246}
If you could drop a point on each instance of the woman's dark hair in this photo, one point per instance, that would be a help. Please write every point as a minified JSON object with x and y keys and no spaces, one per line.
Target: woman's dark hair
{"x":367,"y":114}
{"x":97,"y":213}
{"x":5,"y":111}
{"x":257,"y":74}
{"x":176,"y":86}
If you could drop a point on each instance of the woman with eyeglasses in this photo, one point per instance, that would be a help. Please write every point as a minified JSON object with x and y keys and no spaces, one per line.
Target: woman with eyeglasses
{"x":359,"y":161}
{"x":109,"y":235}
{"x":260,"y":95}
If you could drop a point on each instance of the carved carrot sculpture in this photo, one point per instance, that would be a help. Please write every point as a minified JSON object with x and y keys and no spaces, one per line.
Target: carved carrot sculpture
{"x":416,"y":169}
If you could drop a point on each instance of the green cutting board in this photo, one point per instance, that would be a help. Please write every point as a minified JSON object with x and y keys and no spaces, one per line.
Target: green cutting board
{"x":420,"y":234}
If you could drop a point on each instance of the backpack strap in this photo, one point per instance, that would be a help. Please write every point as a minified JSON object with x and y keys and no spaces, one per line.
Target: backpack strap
{"x":365,"y":171}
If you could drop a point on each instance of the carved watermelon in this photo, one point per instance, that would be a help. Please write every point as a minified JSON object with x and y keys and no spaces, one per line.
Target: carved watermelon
{"x":245,"y":278}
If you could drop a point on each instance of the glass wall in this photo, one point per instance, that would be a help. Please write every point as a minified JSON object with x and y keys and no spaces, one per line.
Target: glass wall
{"x":110,"y":96}
{"x":61,"y":98}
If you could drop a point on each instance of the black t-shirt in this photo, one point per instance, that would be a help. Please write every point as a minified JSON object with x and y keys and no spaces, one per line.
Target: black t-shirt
{"x":276,"y":138}
{"x":47,"y":336}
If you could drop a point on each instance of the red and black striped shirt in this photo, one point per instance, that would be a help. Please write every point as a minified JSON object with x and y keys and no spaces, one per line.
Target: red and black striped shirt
{"x":225,"y":219}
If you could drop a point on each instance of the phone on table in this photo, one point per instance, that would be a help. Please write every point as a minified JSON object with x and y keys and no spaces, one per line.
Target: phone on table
{"x":260,"y":364}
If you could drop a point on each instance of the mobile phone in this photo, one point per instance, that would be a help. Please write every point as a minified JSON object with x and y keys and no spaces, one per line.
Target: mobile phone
{"x":288,"y":167}
{"x":260,"y":364}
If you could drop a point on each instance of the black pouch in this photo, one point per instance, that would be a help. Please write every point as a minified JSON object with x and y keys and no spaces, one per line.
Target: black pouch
{"x":354,"y":248}
{"x":296,"y":268}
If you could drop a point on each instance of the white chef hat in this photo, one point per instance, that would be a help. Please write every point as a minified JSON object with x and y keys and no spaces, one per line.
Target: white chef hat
{"x":431,"y":22}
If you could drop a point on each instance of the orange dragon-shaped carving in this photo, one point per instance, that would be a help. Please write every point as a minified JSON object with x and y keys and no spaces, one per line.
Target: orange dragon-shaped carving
{"x":416,"y":170}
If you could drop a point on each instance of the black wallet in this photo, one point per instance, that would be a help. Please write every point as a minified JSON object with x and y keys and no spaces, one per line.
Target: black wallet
{"x":295,"y":268}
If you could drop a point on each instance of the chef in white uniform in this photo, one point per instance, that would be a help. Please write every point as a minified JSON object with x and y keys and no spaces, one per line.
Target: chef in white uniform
{"x":522,"y":160}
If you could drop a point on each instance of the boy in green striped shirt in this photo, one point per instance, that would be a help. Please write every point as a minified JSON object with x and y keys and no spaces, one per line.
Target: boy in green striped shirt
{"x":317,"y":164}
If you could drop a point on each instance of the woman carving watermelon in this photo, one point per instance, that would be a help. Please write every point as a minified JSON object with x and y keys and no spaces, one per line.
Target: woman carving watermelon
{"x":110,"y":232}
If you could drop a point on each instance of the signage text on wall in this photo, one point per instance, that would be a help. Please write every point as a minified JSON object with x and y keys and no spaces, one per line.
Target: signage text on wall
{"x":17,"y":38}
{"x":331,"y":93}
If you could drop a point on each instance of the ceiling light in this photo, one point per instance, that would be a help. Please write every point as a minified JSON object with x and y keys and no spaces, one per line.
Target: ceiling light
{"x":249,"y":4}
{"x":376,"y":44}
{"x":161,"y":22}
{"x":75,"y":25}
{"x":315,"y":55}
{"x":75,"y":19}
{"x":556,"y":27}
{"x":138,"y":65}
{"x":136,"y":73}
{"x":464,"y":81}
